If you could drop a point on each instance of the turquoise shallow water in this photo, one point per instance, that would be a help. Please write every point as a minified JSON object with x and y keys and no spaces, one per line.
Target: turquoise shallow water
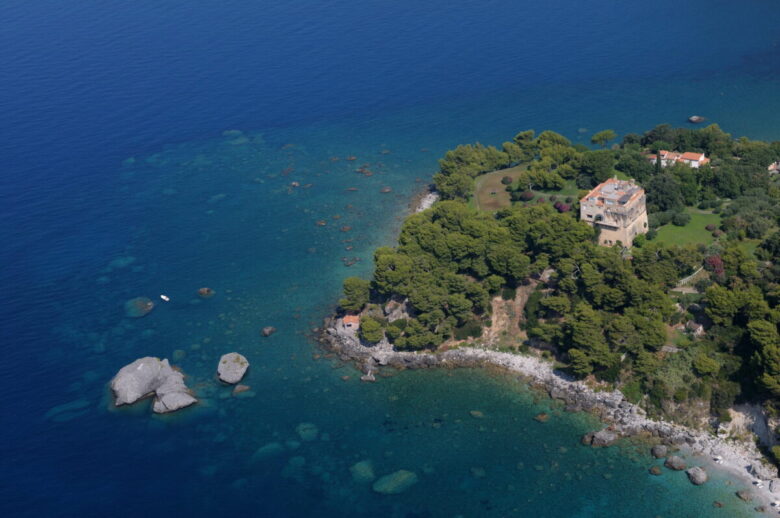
{"x":118,"y":182}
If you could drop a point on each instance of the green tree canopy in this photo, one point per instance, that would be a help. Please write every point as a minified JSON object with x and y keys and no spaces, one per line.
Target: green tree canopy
{"x":603,"y":137}
{"x":356,"y":294}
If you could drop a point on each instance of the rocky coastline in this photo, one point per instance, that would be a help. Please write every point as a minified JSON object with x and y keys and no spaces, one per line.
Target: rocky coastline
{"x":741,"y":459}
{"x":424,"y":199}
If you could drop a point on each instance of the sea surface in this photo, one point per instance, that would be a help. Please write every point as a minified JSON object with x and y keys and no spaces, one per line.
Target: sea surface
{"x":152,"y":147}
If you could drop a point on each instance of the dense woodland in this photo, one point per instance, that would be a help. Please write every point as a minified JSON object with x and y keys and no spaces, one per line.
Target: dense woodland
{"x":607,"y":314}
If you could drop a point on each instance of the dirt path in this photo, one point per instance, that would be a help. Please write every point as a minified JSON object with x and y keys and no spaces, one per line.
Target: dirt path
{"x":506,"y":316}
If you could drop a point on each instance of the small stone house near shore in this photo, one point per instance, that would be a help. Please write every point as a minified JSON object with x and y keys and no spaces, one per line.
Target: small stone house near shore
{"x":617,"y":209}
{"x":689,"y":158}
{"x":351,"y":322}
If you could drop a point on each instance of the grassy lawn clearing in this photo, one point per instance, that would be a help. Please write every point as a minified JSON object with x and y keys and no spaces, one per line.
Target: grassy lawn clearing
{"x":490,"y":194}
{"x":692,"y":233}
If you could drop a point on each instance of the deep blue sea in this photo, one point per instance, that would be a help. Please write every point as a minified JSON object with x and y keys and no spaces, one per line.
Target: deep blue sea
{"x":149,"y":147}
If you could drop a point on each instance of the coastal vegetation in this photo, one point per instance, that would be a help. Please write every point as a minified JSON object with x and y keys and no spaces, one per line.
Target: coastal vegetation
{"x":685,"y":320}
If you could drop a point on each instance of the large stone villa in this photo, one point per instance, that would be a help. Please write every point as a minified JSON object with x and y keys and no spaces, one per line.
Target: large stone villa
{"x":617,"y":209}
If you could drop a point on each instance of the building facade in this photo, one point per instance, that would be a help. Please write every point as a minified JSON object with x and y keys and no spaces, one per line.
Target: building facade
{"x":688,"y":158}
{"x":617,"y":209}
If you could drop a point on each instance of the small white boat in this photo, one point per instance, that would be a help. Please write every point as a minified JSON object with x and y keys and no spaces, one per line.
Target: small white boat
{"x":166,"y":298}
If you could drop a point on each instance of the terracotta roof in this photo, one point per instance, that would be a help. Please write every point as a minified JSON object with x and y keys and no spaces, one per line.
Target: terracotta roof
{"x":692,"y":156}
{"x":351,"y":319}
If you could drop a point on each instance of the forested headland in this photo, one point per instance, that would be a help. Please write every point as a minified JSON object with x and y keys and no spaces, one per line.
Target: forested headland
{"x":617,"y":317}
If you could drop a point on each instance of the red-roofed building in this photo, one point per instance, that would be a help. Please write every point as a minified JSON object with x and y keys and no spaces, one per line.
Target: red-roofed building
{"x":693,"y":159}
{"x":689,"y":158}
{"x":351,"y":321}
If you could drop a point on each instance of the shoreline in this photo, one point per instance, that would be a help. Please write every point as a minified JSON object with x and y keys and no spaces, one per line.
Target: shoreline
{"x":741,"y":460}
{"x":424,"y":199}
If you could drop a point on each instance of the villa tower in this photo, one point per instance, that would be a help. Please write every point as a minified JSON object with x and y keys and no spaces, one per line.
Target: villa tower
{"x":617,"y":209}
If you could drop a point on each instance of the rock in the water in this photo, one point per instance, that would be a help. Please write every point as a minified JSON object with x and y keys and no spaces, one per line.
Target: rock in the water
{"x":232,"y":367}
{"x":601,"y":438}
{"x":307,"y":431}
{"x":67,"y":411}
{"x":138,"y":307}
{"x":542,"y":418}
{"x":147,"y":376}
{"x":604,"y":438}
{"x":206,"y":292}
{"x":774,"y":485}
{"x":674,"y":462}
{"x":268,"y":331}
{"x":659,"y":451}
{"x":395,"y":483}
{"x":744,"y":495}
{"x":240,"y":388}
{"x":697,"y":476}
{"x":363,"y":472}
{"x":655,"y":470}
{"x":268,"y":450}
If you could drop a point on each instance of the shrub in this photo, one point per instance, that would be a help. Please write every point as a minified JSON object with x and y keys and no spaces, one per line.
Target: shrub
{"x":659,"y":219}
{"x":553,"y":198}
{"x":541,"y":200}
{"x":632,"y":391}
{"x":506,"y":180}
{"x":640,"y":240}
{"x":710,"y":227}
{"x":370,"y":330}
{"x":681,"y":219}
{"x":776,"y":453}
{"x":527,"y":196}
{"x":392,"y":332}
{"x":401,"y":323}
{"x":563,"y":207}
{"x":717,"y":233}
{"x":651,"y":234}
{"x":569,"y":199}
{"x":508,"y":293}
{"x":472,"y":329}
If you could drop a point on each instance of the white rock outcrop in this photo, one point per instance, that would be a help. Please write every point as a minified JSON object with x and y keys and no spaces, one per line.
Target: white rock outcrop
{"x":232,"y":367}
{"x":147,"y":376}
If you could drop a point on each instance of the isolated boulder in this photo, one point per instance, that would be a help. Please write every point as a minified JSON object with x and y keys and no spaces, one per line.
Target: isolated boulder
{"x":138,"y":307}
{"x":674,"y":462}
{"x":697,"y":476}
{"x":659,"y":451}
{"x":598,"y":439}
{"x":232,"y":367}
{"x":395,"y":483}
{"x":152,"y":376}
{"x":362,"y":472}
